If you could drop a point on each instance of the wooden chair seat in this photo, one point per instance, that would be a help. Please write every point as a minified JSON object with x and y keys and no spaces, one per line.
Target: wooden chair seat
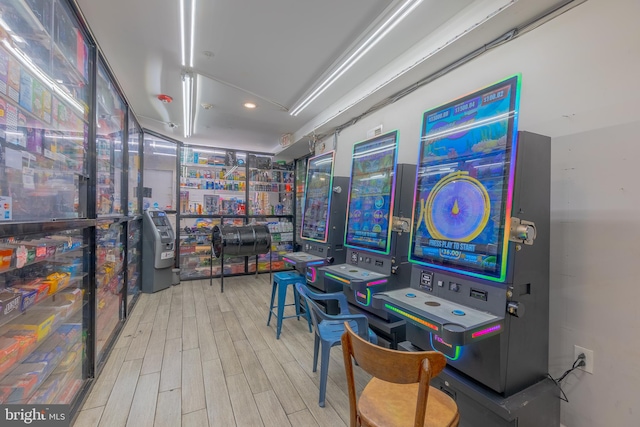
{"x":384,"y":404}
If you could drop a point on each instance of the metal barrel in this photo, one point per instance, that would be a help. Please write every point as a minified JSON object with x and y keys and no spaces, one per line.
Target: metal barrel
{"x":244,"y":240}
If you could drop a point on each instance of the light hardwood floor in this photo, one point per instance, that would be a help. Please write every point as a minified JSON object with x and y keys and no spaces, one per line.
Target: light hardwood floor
{"x":190,"y":356}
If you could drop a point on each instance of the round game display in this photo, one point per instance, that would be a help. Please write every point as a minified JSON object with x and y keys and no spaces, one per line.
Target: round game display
{"x":457,"y":208}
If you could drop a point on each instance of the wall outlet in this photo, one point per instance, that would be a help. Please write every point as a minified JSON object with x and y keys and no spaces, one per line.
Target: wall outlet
{"x":588,"y":367}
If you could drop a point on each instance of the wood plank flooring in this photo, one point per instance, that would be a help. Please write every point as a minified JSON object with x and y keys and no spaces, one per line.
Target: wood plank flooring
{"x":190,"y":356}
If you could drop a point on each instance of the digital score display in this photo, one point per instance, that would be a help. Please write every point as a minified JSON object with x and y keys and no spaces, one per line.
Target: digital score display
{"x":464,"y":184}
{"x":371,"y":193}
{"x":317,"y":198}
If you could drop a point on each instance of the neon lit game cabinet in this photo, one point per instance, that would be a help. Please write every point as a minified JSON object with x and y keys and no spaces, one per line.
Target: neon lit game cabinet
{"x":480,"y":254}
{"x":379,"y":190}
{"x":322,"y":222}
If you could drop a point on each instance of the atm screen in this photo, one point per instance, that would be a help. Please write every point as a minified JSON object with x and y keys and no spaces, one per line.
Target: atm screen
{"x":464,"y":183}
{"x":159,"y":219}
{"x":371,"y":193}
{"x":317,"y":198}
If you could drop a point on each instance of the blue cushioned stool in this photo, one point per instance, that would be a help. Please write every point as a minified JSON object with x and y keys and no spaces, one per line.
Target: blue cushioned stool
{"x":281,"y":282}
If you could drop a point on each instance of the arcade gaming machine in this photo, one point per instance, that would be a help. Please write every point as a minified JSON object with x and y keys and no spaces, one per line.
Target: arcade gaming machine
{"x":380,"y":195}
{"x":322,"y":223}
{"x":480,"y":254}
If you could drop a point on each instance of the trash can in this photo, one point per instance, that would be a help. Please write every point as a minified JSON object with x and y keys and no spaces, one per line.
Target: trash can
{"x":176,"y":276}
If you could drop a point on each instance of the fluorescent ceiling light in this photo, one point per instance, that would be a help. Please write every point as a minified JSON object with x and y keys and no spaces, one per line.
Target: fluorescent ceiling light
{"x":193,"y":30}
{"x":402,"y":12}
{"x":187,"y":103}
{"x":182,"y":32}
{"x":249,"y":105}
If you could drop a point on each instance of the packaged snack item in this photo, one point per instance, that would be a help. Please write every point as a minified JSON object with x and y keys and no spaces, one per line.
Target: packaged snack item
{"x":28,"y":297}
{"x":17,"y":388}
{"x":6,"y":256}
{"x":39,"y":321}
{"x":26,"y":341}
{"x":9,"y":350}
{"x":9,"y":303}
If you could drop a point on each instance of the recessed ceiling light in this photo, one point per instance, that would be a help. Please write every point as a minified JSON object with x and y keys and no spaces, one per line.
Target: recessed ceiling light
{"x":250,"y":105}
{"x":206,"y":106}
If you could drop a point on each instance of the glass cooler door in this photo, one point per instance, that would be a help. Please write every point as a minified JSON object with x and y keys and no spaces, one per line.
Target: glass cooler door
{"x":43,"y":279}
{"x":44,"y":96}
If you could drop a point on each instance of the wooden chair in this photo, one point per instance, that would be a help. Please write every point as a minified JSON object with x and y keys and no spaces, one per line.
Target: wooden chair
{"x":399,"y":393}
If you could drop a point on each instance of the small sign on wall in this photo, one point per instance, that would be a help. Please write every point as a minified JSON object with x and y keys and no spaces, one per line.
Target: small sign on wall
{"x":6,"y":208}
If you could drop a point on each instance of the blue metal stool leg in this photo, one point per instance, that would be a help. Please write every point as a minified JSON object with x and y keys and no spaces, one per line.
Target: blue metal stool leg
{"x":296,"y":301}
{"x":282,"y":297}
{"x":273,"y":294}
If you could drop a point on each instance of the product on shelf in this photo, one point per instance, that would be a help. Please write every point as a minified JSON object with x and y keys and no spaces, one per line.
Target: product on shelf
{"x":9,"y":302}
{"x":41,"y":322}
{"x":6,"y":258}
{"x":9,"y":352}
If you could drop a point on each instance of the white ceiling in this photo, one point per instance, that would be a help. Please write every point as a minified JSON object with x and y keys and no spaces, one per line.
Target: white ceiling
{"x":272,"y":53}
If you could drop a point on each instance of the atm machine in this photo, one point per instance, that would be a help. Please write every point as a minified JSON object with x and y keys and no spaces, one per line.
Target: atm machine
{"x":323,"y":218}
{"x":158,"y":251}
{"x":480,"y":253}
{"x":380,"y":197}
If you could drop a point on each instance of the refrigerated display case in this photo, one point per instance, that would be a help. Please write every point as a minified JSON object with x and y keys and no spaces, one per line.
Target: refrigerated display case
{"x":134,"y":259}
{"x":43,"y":284}
{"x":134,"y":147}
{"x":46,"y":81}
{"x":44,"y":93}
{"x":110,"y":114}
{"x":109,"y":280}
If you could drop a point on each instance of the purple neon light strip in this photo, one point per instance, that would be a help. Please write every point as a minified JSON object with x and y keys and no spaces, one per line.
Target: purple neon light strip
{"x":486,"y":331}
{"x":377,"y":282}
{"x":289,"y":260}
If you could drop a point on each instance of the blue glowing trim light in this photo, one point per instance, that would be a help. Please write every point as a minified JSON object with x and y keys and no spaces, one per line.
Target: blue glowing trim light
{"x":311,"y":278}
{"x":315,"y":263}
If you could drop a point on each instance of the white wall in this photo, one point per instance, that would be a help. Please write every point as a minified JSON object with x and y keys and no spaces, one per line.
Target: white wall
{"x":595,"y":233}
{"x":581,"y":87}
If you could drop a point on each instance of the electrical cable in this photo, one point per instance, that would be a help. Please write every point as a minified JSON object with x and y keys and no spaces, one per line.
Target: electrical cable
{"x":578,"y":363}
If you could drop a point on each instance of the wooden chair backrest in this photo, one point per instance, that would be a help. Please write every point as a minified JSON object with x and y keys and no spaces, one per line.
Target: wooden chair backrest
{"x":393,"y":366}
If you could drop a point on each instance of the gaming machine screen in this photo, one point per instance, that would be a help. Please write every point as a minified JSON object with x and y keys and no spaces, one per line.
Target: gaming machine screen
{"x":371,"y":193}
{"x":317,"y":197}
{"x":463,"y":183}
